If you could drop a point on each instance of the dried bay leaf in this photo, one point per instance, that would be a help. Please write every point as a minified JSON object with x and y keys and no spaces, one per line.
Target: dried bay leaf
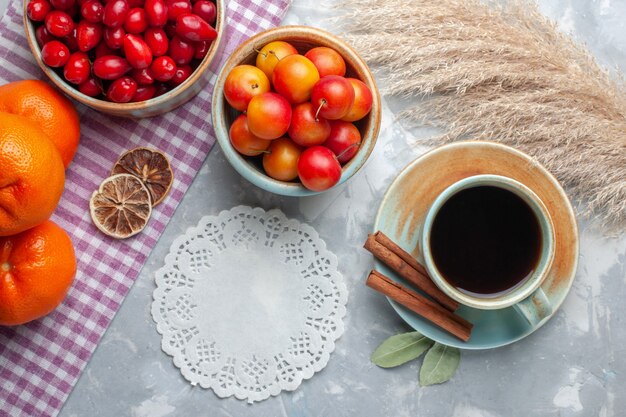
{"x":440,"y":364}
{"x":400,"y":349}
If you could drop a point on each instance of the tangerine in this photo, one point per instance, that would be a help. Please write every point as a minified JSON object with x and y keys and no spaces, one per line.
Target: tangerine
{"x":37,"y":268}
{"x":54,"y":113}
{"x":31,"y":175}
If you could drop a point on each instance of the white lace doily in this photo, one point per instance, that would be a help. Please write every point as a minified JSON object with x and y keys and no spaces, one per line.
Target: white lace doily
{"x":249,"y":303}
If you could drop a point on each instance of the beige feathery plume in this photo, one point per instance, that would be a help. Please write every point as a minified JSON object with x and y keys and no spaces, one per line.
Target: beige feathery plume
{"x":504,"y":73}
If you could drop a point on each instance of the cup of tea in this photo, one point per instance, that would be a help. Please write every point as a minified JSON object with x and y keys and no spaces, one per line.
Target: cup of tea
{"x":488,"y":242}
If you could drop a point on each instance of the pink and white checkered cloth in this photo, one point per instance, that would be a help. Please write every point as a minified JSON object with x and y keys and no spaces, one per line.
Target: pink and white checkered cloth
{"x":40,"y":362}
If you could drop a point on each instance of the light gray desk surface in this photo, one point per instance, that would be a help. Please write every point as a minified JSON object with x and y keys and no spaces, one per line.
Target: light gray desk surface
{"x":574,"y":366}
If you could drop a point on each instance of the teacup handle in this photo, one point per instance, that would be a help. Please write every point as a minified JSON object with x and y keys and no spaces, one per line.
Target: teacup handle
{"x":535,"y":308}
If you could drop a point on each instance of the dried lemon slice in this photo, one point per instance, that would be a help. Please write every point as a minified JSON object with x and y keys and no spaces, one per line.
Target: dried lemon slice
{"x":121,"y":207}
{"x":151,"y":167}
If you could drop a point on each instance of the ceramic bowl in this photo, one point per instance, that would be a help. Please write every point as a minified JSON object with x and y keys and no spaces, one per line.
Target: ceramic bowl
{"x":302,"y":38}
{"x":158,"y":105}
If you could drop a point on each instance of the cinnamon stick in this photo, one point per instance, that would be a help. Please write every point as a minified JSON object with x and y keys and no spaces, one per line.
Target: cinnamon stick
{"x":426,"y":308}
{"x":406,"y":271}
{"x":384,"y":240}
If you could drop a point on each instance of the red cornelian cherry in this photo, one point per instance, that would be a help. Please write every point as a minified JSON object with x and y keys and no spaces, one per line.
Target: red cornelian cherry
{"x":110,"y":67}
{"x":92,"y":11}
{"x":63,"y":4}
{"x":88,"y":35}
{"x":55,"y":54}
{"x":194,"y":29}
{"x":71,"y":41}
{"x":114,"y":37}
{"x":77,"y":70}
{"x":43,"y":36}
{"x":122,"y":90}
{"x":201,"y":49}
{"x":37,"y":10}
{"x":90,"y":88}
{"x":163,"y":68}
{"x":156,"y":40}
{"x":59,"y":23}
{"x":136,"y":21}
{"x":144,"y":92}
{"x":206,"y":10}
{"x":181,"y":51}
{"x":115,"y":13}
{"x":156,"y":12}
{"x":137,"y":52}
{"x":177,"y":7}
{"x":142,"y":76}
{"x":181,"y":75}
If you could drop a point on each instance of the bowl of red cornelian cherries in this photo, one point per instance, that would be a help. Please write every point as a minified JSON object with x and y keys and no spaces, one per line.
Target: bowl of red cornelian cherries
{"x":133,"y":58}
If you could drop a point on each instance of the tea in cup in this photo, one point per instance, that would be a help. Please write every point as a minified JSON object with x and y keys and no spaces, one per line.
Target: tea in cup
{"x":488,"y":243}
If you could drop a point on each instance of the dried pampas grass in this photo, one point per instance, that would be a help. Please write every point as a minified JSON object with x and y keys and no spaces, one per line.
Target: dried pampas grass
{"x":504,"y":73}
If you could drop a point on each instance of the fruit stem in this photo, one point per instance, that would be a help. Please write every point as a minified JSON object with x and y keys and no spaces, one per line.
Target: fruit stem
{"x":320,"y":108}
{"x":258,"y":51}
{"x":348,"y":148}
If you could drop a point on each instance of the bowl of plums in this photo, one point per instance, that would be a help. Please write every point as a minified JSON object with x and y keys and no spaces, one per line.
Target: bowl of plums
{"x":296,"y":110}
{"x":130,"y":58}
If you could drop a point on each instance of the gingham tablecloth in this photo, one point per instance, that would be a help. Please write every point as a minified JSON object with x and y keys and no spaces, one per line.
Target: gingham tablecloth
{"x":40,"y":362}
